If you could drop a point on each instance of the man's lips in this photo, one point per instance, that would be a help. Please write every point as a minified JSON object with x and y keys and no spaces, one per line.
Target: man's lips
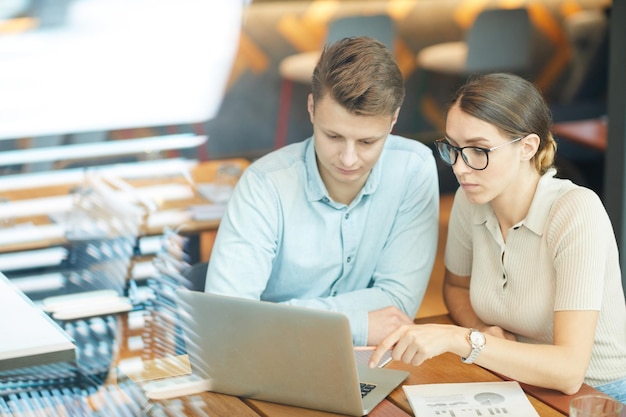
{"x":347,"y":171}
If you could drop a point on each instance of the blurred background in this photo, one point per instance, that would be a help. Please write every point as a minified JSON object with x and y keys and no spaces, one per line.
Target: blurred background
{"x":167,"y":69}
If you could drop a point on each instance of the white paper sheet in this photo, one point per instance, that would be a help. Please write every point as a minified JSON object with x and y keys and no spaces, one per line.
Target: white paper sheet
{"x":472,"y":399}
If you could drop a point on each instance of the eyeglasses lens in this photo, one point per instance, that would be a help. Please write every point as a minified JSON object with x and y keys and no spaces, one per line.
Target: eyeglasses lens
{"x":475,"y":158}
{"x":447,"y":153}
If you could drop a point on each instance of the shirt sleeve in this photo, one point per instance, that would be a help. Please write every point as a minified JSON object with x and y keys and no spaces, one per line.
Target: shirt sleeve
{"x":246,"y":242}
{"x":581,"y":239}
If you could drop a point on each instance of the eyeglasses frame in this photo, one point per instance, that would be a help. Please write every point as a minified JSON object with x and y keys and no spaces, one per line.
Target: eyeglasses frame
{"x":458,"y":151}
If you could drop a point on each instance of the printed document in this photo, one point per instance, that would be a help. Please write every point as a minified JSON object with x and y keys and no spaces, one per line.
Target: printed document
{"x":471,"y":399}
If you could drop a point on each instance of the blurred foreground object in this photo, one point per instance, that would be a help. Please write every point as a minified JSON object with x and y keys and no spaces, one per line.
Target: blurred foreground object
{"x":115,"y":64}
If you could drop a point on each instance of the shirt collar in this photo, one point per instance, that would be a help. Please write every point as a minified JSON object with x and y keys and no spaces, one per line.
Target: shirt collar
{"x":545,"y":194}
{"x":315,"y":188}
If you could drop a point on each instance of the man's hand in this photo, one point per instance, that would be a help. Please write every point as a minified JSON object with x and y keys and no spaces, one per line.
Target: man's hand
{"x":384,"y":321}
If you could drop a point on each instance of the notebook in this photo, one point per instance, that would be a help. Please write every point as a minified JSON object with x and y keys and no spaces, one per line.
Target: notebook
{"x":279,"y":353}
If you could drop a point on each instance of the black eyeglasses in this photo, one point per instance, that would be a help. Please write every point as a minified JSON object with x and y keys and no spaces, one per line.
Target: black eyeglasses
{"x":473,"y":156}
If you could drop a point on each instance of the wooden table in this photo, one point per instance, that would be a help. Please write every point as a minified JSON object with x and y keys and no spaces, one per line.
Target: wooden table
{"x":591,"y":133}
{"x":445,"y":368}
{"x":441,"y":369}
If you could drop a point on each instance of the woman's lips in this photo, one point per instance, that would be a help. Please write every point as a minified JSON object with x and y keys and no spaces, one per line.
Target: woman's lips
{"x":468,"y":186}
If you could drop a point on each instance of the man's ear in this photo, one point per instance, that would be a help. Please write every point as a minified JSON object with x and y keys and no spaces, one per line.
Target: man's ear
{"x":310,"y":105}
{"x":394,"y":119}
{"x":530,"y":145}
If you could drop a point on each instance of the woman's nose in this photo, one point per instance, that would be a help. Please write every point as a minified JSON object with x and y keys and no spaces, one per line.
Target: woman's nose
{"x":460,"y":166}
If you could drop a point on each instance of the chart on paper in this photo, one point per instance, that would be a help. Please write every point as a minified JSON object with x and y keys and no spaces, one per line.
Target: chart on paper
{"x":474,"y":399}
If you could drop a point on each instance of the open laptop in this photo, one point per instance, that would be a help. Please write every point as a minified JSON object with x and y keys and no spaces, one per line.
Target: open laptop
{"x":279,"y":353}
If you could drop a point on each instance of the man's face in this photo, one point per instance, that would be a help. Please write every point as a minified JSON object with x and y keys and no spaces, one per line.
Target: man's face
{"x":347,"y":145}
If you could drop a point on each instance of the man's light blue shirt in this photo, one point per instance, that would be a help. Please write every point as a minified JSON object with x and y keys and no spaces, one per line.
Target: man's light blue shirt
{"x":283,"y":239}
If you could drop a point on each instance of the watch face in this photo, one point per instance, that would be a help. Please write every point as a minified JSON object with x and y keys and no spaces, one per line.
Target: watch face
{"x":477,"y":338}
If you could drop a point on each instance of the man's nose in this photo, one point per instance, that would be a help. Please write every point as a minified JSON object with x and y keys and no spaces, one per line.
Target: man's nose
{"x":348,"y":154}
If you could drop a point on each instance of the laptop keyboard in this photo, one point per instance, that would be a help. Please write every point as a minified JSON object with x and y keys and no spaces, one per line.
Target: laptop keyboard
{"x":366,"y":389}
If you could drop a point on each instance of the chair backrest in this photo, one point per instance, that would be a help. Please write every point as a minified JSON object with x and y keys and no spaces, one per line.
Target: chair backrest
{"x":500,"y":40}
{"x":380,"y":27}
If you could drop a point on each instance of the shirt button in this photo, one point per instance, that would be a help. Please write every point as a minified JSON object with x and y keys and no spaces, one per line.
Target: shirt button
{"x":347,"y":215}
{"x":325,"y":199}
{"x":348,"y":259}
{"x":334,"y":294}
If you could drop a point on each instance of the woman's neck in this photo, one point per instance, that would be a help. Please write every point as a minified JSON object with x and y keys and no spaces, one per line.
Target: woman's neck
{"x":512,"y":206}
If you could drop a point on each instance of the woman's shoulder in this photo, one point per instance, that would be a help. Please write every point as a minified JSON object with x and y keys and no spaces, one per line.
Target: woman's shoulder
{"x":462,"y":207}
{"x":575,"y":204}
{"x":569,"y":193}
{"x":461,"y":199}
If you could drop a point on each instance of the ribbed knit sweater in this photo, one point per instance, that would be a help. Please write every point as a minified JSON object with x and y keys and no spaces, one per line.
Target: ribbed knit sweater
{"x":562,"y":256}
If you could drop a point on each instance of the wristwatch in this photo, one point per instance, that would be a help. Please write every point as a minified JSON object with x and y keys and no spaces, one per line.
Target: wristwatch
{"x":477,"y":341}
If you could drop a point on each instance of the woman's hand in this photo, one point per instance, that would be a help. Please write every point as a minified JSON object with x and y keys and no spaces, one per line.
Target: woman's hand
{"x":414,"y":344}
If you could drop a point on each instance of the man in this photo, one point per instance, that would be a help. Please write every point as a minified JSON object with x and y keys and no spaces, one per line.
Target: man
{"x":346,"y":220}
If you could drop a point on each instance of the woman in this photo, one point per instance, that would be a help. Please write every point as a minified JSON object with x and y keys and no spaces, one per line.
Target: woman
{"x":532,"y":268}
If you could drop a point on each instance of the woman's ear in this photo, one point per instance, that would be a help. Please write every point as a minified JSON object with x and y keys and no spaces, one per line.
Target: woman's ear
{"x":530,"y":145}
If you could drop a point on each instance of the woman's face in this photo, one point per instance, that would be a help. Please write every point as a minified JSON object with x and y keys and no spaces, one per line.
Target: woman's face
{"x":483,"y":186}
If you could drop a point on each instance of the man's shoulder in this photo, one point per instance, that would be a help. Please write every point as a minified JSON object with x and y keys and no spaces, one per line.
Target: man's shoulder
{"x":401,"y":145}
{"x":408,"y":155}
{"x":285,"y":158}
